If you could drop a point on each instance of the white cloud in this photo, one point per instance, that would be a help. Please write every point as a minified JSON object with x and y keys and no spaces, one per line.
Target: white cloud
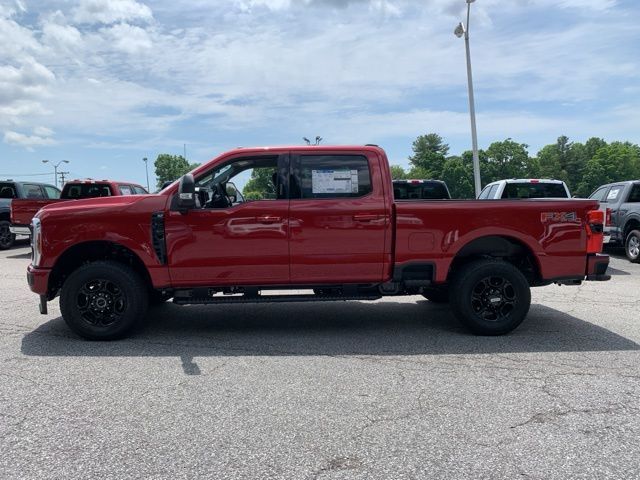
{"x":111,"y":11}
{"x":41,"y":137}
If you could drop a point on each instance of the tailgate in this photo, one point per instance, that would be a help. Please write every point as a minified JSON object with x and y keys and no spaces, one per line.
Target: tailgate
{"x":23,"y":210}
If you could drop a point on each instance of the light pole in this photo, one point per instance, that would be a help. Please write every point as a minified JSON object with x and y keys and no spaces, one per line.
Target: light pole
{"x":459,"y":32}
{"x":55,"y":169}
{"x":146,"y":167}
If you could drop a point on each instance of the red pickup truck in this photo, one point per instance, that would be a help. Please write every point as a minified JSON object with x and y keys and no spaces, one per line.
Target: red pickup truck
{"x":318,"y":219}
{"x":23,"y":210}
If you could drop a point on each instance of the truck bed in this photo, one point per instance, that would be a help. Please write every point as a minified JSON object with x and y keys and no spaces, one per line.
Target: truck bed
{"x":554,"y":231}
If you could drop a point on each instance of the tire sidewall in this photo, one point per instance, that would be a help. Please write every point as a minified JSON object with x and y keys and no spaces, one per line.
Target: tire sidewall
{"x":632,"y":234}
{"x":127,"y":281}
{"x":12,"y":237}
{"x":468,"y":278}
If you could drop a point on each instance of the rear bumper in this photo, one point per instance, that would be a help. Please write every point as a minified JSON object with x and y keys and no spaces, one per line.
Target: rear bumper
{"x":38,"y":279}
{"x":597,"y":267}
{"x":20,"y":230}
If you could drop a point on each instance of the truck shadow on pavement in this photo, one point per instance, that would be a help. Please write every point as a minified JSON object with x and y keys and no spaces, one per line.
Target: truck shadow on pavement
{"x":335,"y":329}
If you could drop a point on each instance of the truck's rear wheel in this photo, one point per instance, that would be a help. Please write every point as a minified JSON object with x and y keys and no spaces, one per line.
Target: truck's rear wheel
{"x":103,"y":300}
{"x":632,"y":246}
{"x":490,"y":297}
{"x":7,"y":238}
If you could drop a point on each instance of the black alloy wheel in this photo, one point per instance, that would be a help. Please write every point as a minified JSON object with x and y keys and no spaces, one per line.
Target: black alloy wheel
{"x":490,"y":297}
{"x":103,"y":300}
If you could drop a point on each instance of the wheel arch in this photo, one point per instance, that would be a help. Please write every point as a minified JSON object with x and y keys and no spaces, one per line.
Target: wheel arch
{"x":508,"y":248}
{"x":90,"y":251}
{"x":632,"y":223}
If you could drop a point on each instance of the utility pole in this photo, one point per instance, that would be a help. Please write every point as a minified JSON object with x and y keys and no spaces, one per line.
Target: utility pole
{"x":185,"y":151}
{"x":146,"y":167}
{"x":55,"y":169}
{"x":62,"y":174}
{"x":461,"y":30}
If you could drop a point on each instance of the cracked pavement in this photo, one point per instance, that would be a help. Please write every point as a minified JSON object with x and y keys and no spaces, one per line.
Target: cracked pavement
{"x":363,"y":390}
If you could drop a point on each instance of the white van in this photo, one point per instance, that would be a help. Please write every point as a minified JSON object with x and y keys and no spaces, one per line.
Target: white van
{"x":525,"y":188}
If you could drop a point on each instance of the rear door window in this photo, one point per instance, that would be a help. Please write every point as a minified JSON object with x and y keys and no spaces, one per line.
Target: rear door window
{"x":599,"y":194}
{"x":614,"y":194}
{"x":125,"y":189}
{"x":52,"y":192}
{"x":7,"y":190}
{"x":33,"y":191}
{"x":331,"y":176}
{"x":492,"y":191}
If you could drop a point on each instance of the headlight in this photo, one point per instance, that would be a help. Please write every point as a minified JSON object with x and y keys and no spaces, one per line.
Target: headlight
{"x":36,"y":241}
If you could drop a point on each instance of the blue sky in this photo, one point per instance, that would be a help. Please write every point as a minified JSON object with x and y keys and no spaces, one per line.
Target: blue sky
{"x":104,"y":83}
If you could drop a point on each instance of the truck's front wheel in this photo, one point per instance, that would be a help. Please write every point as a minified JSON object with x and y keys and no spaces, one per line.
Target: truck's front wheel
{"x":103,"y":300}
{"x":490,"y":297}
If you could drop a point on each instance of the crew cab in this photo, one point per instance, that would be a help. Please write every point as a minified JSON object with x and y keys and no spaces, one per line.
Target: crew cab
{"x":23,"y":210}
{"x":620,"y":203}
{"x":12,"y":191}
{"x":315,"y":223}
{"x":525,"y":188}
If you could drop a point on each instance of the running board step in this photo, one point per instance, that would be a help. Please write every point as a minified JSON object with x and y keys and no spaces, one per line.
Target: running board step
{"x":269,"y":299}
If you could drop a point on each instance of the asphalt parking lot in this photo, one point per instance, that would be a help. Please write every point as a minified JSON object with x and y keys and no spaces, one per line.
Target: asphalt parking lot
{"x":388,"y":389}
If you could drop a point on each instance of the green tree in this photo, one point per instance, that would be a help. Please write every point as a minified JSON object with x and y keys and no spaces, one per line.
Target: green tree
{"x":458,"y":176}
{"x":171,"y":167}
{"x":398,"y":173}
{"x":507,"y":159}
{"x":611,"y":163}
{"x":429,"y":155}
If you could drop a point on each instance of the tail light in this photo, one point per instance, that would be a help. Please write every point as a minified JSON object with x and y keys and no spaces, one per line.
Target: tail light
{"x":608,"y":218}
{"x":595,"y":228}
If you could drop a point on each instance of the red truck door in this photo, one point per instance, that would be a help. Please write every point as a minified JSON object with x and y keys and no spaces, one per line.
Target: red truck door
{"x":241,"y":239}
{"x":338,"y":218}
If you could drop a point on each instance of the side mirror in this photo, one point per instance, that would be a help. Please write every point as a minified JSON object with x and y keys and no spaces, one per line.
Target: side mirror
{"x":187,"y":193}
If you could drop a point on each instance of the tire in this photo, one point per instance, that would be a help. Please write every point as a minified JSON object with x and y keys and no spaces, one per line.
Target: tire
{"x":7,"y":239}
{"x":436,"y":295}
{"x":490,"y":297}
{"x":103,"y":300}
{"x":632,"y":246}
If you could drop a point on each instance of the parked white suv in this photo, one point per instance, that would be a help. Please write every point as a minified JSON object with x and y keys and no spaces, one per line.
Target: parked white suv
{"x":525,"y":188}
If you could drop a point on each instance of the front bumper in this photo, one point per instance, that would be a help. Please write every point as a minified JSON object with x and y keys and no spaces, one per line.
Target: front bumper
{"x":20,"y":230}
{"x":597,"y":267}
{"x":38,"y":279}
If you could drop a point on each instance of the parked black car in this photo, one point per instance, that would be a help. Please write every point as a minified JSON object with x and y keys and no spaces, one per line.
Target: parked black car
{"x":620,"y":203}
{"x":9,"y":190}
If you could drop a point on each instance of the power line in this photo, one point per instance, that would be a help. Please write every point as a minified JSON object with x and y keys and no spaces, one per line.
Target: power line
{"x":24,"y":174}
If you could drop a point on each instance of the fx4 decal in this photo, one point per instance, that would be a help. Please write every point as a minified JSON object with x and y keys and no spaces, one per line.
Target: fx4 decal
{"x":558,"y":217}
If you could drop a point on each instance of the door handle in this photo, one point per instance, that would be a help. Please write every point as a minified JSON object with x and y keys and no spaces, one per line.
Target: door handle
{"x":269,"y":219}
{"x":365,"y":218}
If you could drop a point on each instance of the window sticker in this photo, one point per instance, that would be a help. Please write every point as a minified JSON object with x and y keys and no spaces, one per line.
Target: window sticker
{"x":613,"y":194}
{"x":334,"y":181}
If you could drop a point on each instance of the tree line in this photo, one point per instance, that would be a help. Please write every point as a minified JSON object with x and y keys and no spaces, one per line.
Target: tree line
{"x":583,"y":166}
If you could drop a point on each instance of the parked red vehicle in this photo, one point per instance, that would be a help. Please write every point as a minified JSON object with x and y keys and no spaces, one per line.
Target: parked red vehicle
{"x":23,"y":210}
{"x":317,"y":218}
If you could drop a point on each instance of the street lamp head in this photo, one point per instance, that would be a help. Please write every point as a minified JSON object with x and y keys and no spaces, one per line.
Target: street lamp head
{"x":45,"y":161}
{"x":459,"y":31}
{"x":470,"y":1}
{"x":65,"y":161}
